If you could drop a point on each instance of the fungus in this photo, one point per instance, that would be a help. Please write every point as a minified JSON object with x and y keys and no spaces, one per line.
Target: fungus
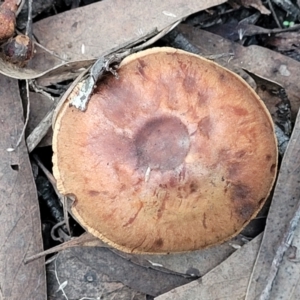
{"x":176,"y":154}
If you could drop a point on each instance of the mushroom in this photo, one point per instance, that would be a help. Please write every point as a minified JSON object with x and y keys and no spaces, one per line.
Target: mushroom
{"x":176,"y":154}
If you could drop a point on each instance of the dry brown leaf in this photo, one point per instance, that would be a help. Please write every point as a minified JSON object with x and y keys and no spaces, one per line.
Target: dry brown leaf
{"x":228,"y":281}
{"x":84,"y":283}
{"x":194,"y":263}
{"x":58,"y":72}
{"x":20,"y":233}
{"x":89,"y":32}
{"x":100,"y":271}
{"x":285,"y":200}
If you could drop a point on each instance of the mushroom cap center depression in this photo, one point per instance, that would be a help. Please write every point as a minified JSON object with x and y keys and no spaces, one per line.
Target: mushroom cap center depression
{"x":162,"y":143}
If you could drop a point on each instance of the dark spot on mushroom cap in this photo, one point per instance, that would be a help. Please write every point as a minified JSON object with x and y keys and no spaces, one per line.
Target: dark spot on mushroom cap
{"x":118,"y":102}
{"x":189,"y":84}
{"x":204,"y":221}
{"x":141,"y":65}
{"x":205,"y":126}
{"x":222,"y":77}
{"x":163,"y":197}
{"x":162,"y":143}
{"x":93,"y":193}
{"x":268,"y":157}
{"x":237,"y":110}
{"x":159,"y":243}
{"x":202,"y":98}
{"x":193,"y":187}
{"x":240,"y":153}
{"x":246,"y":210}
{"x":239,"y":191}
{"x":183,"y":66}
{"x":234,"y":170}
{"x":273,"y":168}
{"x":133,"y":217}
{"x":224,"y":154}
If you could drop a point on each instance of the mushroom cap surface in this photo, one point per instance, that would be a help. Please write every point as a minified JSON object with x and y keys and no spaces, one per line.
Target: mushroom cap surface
{"x":176,"y":154}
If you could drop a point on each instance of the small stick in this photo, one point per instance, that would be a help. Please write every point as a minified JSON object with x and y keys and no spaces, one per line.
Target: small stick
{"x":26,"y":119}
{"x":20,"y":6}
{"x":274,"y":14}
{"x":28,"y":31}
{"x":64,"y":60}
{"x":78,"y":241}
{"x":39,"y":90}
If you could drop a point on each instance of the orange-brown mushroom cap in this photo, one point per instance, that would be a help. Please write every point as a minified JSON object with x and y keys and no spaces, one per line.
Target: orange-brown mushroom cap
{"x":176,"y":154}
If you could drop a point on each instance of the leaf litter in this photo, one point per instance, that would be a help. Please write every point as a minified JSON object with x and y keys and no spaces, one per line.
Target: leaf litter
{"x":274,"y":76}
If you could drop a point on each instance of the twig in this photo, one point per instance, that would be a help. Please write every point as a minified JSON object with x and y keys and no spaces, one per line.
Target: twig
{"x":274,"y":13}
{"x":20,"y":6}
{"x":28,"y":31}
{"x":39,"y":90}
{"x":85,"y":238}
{"x":63,"y":59}
{"x":45,"y":170}
{"x":26,"y":119}
{"x":57,"y":228}
{"x":157,"y":36}
{"x":284,"y":245}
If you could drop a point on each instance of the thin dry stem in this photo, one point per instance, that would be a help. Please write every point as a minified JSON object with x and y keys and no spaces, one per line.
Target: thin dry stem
{"x":26,"y":119}
{"x":78,"y":241}
{"x":274,"y":14}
